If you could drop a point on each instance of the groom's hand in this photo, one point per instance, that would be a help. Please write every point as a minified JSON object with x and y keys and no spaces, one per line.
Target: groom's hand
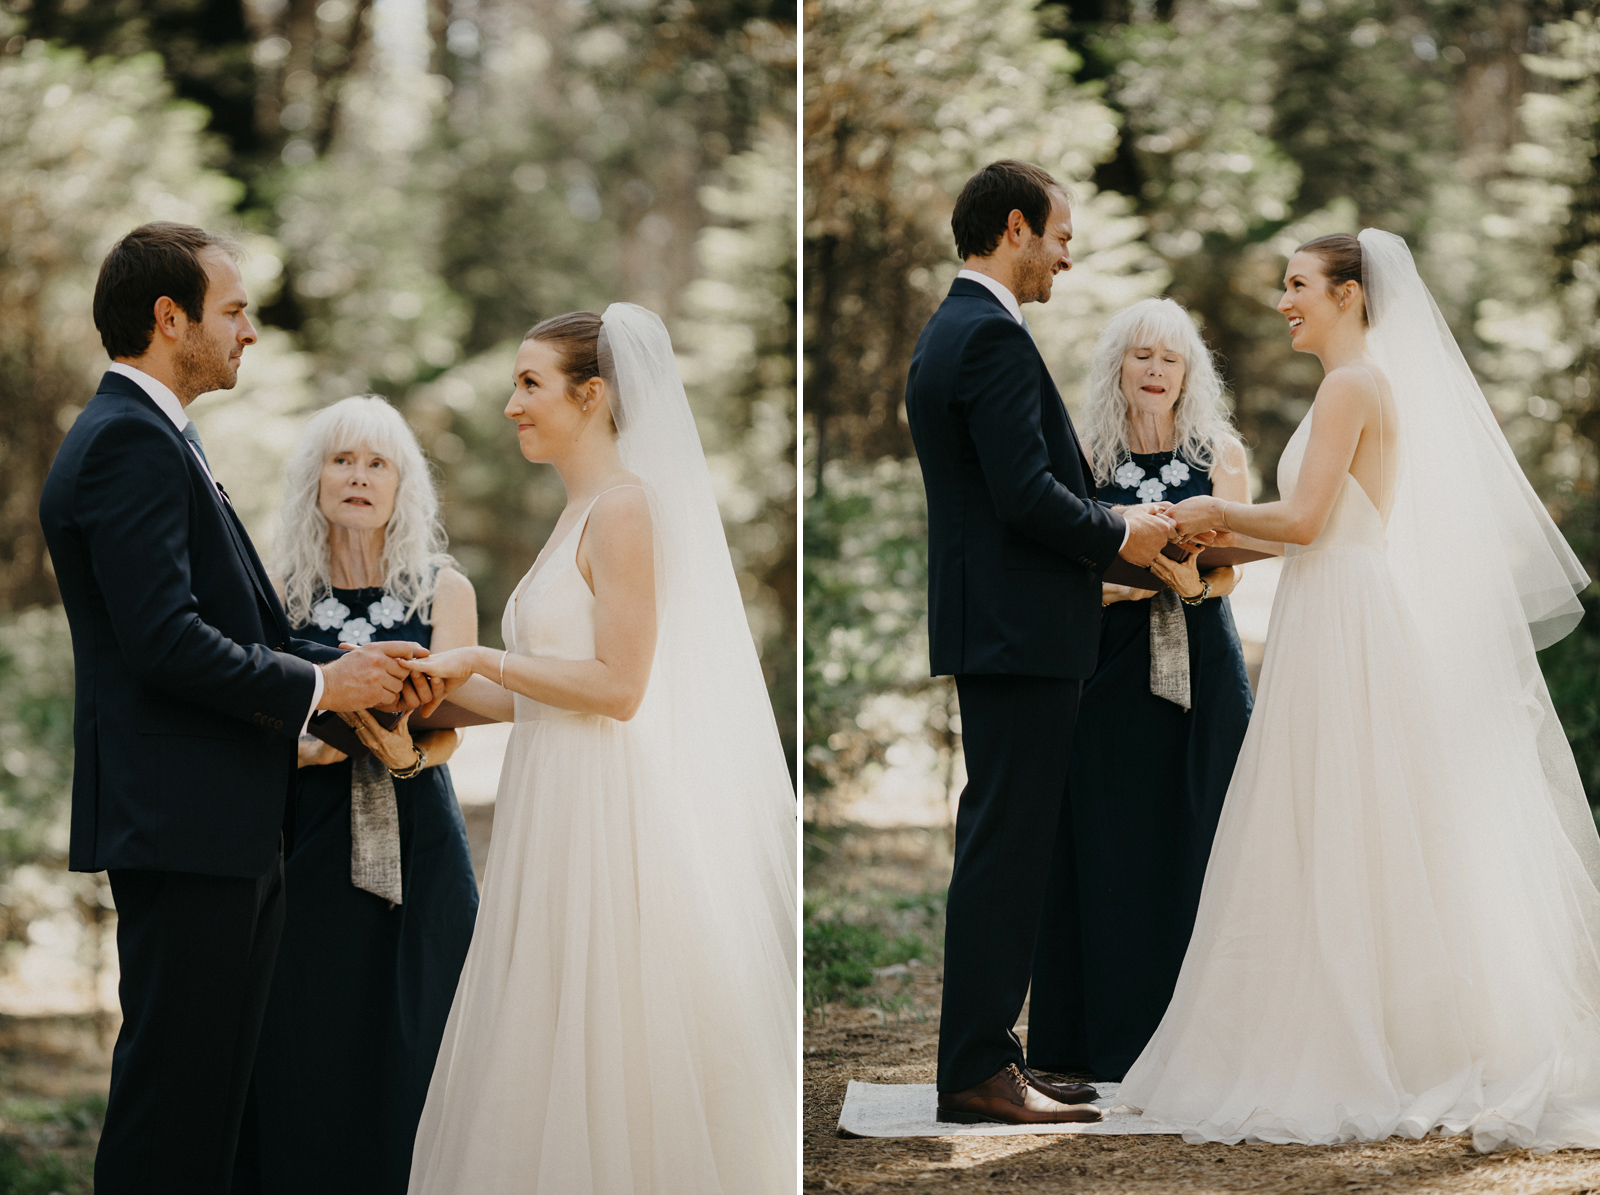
{"x":368,"y":676}
{"x":1148,"y":533}
{"x":428,"y":692}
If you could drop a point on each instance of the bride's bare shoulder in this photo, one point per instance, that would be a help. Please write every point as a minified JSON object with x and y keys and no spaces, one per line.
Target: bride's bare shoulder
{"x":1351,"y":389}
{"x":623,"y":504}
{"x":619,"y":523}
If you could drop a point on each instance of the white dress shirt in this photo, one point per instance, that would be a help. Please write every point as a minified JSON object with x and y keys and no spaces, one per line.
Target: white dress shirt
{"x":164,"y":398}
{"x":999,"y":290}
{"x":1009,"y":301}
{"x":161,"y":394}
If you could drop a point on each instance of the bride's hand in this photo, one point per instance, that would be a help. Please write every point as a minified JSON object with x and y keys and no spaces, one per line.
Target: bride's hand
{"x":457,"y":664}
{"x":1197,"y":514}
{"x":393,"y":747}
{"x":449,"y":670}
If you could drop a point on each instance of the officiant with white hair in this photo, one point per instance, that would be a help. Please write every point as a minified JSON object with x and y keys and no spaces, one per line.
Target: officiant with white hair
{"x":1136,"y":831}
{"x":380,"y":893}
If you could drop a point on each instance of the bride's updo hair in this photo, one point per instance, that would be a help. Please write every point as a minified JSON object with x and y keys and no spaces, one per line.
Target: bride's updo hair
{"x":1340,"y":254}
{"x":576,"y":338}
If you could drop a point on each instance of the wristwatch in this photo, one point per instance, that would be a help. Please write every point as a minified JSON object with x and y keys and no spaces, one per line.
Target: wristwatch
{"x":421,"y":762}
{"x":1205,"y":592}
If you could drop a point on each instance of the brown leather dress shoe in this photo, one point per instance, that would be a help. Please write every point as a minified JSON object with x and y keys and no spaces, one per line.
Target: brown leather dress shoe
{"x":1062,"y":1093}
{"x":1008,"y":1098}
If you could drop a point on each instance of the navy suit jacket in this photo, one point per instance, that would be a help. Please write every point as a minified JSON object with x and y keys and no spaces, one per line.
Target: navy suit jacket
{"x":1016,"y":541}
{"x":190,"y":690}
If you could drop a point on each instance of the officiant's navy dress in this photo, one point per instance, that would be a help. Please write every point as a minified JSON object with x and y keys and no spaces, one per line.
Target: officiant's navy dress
{"x":361,"y":992}
{"x":1145,"y":787}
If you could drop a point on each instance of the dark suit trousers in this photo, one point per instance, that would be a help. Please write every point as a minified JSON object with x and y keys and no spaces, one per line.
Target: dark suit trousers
{"x":196,"y":954}
{"x":1016,"y":732}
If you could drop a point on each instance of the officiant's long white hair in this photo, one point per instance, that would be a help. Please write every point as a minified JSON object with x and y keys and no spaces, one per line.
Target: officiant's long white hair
{"x":1203,"y":424}
{"x":414,"y":540}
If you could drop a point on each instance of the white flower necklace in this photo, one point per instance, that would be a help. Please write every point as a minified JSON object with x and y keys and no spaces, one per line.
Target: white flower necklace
{"x":1131,"y":476}
{"x":331,"y":614}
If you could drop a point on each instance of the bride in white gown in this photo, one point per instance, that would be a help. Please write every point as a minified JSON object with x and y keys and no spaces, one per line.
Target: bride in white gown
{"x":625,"y":1021}
{"x":1400,"y":927}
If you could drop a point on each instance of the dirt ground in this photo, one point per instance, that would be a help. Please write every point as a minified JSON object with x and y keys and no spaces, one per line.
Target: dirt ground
{"x":894,"y":1040}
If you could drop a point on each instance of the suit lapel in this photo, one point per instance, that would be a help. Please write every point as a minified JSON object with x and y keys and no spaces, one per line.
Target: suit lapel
{"x":1072,"y":433}
{"x":116,"y":383}
{"x":252,"y":564}
{"x":1077,"y":445}
{"x":966,"y":288}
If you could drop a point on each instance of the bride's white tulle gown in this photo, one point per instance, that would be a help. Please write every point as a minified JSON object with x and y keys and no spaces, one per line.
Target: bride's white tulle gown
{"x":1400,"y":928}
{"x":624,"y":1023}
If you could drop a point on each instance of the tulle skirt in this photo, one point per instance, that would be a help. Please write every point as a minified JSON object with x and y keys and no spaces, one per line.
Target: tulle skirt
{"x":596,"y":1043}
{"x":1395,"y":935}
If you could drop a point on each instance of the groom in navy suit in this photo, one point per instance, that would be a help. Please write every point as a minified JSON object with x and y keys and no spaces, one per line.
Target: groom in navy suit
{"x":1016,"y":545}
{"x":190,"y":696}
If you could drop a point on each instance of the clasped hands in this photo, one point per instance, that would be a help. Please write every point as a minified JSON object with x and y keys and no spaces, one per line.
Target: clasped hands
{"x":375,"y":676}
{"x":1194,"y":523}
{"x":382,"y":677}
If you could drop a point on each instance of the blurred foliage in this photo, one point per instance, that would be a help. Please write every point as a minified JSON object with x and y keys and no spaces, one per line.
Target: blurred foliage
{"x":1550,"y":200}
{"x":1217,"y":135}
{"x":1572,"y":670}
{"x":35,"y":734}
{"x":865,"y":588}
{"x":205,"y":46}
{"x":417,"y":182}
{"x":1572,"y":667}
{"x":739,"y":344}
{"x":1252,"y":126}
{"x":87,"y":151}
{"x":1545,"y":328}
{"x":41,"y":904}
{"x":903,"y":99}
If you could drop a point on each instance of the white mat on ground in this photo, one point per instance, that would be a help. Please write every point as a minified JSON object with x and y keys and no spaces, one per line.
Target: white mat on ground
{"x":909,"y":1110}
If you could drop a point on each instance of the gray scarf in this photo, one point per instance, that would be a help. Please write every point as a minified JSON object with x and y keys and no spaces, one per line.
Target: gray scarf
{"x":1169,"y":649}
{"x":375,"y":830}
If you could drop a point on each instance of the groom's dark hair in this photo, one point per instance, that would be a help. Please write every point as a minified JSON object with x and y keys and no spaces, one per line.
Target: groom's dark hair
{"x":151,"y":261}
{"x":990,"y":196}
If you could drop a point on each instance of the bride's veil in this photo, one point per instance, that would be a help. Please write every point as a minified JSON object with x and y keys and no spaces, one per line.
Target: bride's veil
{"x":722,"y":813}
{"x":1486,"y":575}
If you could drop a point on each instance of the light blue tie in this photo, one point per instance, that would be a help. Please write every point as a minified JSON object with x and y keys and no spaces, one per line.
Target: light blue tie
{"x":193,"y":436}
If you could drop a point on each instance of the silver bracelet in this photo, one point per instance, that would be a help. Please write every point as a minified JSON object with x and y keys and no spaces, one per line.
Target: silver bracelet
{"x":502,"y":669}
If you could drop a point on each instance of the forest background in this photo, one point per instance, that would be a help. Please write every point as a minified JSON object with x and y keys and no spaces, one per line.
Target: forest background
{"x":416,"y":183}
{"x":1205,"y":139}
